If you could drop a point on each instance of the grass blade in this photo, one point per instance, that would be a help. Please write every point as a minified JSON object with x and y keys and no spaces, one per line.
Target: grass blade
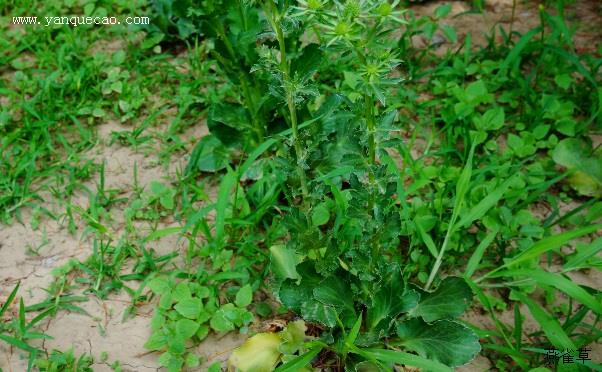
{"x":158,"y":234}
{"x":399,"y":357}
{"x":575,"y":262}
{"x":300,"y":361}
{"x":559,"y":282}
{"x":476,"y":257}
{"x":426,"y":238}
{"x":516,"y":51}
{"x":461,"y":190}
{"x":543,"y":246}
{"x":223,"y":199}
{"x":484,"y":205}
{"x":254,"y":155}
{"x":9,"y":300}
{"x":17,"y":343}
{"x":548,"y":323}
{"x":355,"y":331}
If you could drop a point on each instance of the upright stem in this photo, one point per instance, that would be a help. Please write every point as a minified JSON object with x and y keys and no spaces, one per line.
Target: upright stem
{"x":371,"y":124}
{"x":439,"y":259}
{"x":290,"y":94}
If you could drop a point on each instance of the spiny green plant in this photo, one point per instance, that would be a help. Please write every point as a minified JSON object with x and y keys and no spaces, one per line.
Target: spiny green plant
{"x":353,"y":252}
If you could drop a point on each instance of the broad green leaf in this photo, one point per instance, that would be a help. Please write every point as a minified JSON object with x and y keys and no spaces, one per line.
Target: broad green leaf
{"x":227,"y":122}
{"x":319,"y":312}
{"x":159,"y":285}
{"x":189,"y":308}
{"x":445,"y":341}
{"x":549,"y":324}
{"x":258,"y":354}
{"x":450,"y":33}
{"x":167,"y":201}
{"x":476,"y":91}
{"x":559,"y":282}
{"x":351,"y":79}
{"x":244,"y":297}
{"x":166,"y":301}
{"x":331,"y":292}
{"x":215,"y":367}
{"x":181,"y":292}
{"x":293,"y":295}
{"x":449,"y":300}
{"x":586,"y":167}
{"x":220,"y":322}
{"x":202,"y":332}
{"x":390,"y":299}
{"x":492,"y":119}
{"x":401,"y":358}
{"x":284,"y":262}
{"x":368,"y":366}
{"x":192,"y":360}
{"x":157,"y":341}
{"x":320,"y":215}
{"x":443,"y":10}
{"x":209,"y":155}
{"x":308,"y":62}
{"x":186,"y":328}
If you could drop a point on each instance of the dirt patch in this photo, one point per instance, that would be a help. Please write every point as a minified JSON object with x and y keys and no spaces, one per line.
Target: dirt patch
{"x":104,"y":330}
{"x":585,"y":16}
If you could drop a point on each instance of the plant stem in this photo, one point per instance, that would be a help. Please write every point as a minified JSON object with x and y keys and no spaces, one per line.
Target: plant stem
{"x":371,"y":125}
{"x":290,"y":94}
{"x":440,"y":255}
{"x":369,"y":116}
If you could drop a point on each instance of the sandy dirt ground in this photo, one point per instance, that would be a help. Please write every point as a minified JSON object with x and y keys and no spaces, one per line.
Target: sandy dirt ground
{"x":584,"y":15}
{"x":104,"y":329}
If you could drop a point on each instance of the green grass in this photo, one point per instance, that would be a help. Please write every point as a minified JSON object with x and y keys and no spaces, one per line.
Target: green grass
{"x":340,"y":159}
